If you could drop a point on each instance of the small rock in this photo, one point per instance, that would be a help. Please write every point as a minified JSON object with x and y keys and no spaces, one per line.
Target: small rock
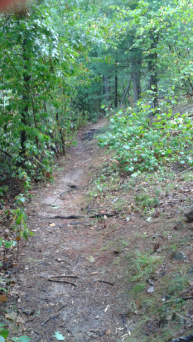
{"x":150,"y":289}
{"x":46,"y":253}
{"x":179,"y":256}
{"x":52,"y":304}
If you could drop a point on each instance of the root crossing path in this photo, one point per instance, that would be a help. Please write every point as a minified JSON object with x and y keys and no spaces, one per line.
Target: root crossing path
{"x":65,"y":284}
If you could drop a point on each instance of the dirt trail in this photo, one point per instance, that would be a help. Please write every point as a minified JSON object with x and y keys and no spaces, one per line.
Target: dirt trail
{"x":93,"y":309}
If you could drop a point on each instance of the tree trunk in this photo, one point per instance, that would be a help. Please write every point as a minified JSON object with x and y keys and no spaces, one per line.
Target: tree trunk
{"x":106,"y":87}
{"x":61,"y":135}
{"x":152,"y":70}
{"x":116,"y":91}
{"x":26,"y":100}
{"x":136,"y":77}
{"x":126,"y":91}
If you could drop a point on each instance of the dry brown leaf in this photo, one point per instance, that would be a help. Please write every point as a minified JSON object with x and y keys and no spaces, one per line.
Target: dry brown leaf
{"x":3,"y":298}
{"x":20,"y":320}
{"x":108,"y":332}
{"x":11,"y":315}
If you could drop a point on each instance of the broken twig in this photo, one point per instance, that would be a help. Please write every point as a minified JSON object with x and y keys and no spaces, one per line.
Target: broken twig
{"x":61,"y":281}
{"x":78,"y":217}
{"x":50,"y":318}
{"x":105,"y":282}
{"x":64,"y":276}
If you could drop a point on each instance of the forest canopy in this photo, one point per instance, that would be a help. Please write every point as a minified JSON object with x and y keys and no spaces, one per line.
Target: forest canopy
{"x":64,"y":63}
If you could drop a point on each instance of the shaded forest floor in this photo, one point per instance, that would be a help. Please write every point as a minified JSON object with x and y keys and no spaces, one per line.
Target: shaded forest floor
{"x":128,"y":270}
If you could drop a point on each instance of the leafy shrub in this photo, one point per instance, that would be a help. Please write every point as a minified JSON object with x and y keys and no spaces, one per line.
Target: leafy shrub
{"x":143,"y":144}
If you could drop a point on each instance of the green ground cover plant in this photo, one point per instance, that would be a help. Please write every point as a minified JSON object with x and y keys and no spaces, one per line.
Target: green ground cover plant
{"x":144,"y":144}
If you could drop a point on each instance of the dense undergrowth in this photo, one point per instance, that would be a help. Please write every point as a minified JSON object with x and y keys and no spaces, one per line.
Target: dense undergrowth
{"x":144,"y":143}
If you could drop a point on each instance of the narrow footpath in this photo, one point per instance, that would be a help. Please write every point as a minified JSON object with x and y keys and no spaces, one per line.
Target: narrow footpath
{"x":65,"y":285}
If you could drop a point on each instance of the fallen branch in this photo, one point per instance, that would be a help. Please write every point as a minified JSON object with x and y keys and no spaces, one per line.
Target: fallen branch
{"x":73,"y":186}
{"x":50,"y":318}
{"x":66,"y":217}
{"x":105,"y":282}
{"x":179,"y":299}
{"x":72,"y":217}
{"x":64,"y":276}
{"x":188,"y":338}
{"x":62,"y":281}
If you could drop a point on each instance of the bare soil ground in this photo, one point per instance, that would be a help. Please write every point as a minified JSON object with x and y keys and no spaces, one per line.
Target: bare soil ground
{"x":91,"y":307}
{"x":118,"y":269}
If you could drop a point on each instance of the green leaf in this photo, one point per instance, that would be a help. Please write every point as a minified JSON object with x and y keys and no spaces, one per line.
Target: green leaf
{"x":4,"y":333}
{"x":59,"y":336}
{"x":25,"y":235}
{"x":8,"y":244}
{"x":24,"y":338}
{"x":18,"y":221}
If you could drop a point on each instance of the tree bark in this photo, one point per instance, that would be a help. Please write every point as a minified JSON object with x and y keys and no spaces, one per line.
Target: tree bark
{"x":152,"y":70}
{"x":136,"y":78}
{"x":106,"y":88}
{"x":25,"y":97}
{"x":126,"y":90}
{"x":116,"y":91}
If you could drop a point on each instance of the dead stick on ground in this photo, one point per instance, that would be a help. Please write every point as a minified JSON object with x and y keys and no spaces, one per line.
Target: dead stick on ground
{"x":62,"y":281}
{"x":72,"y":217}
{"x":105,"y":282}
{"x":179,"y":299}
{"x":64,"y":276}
{"x":50,"y":318}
